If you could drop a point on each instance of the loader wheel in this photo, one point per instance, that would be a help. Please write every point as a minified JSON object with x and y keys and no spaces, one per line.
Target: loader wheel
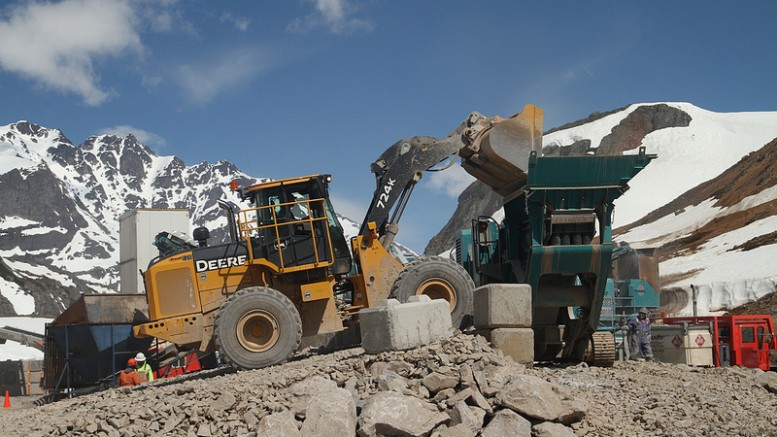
{"x":438,"y":278}
{"x":257,"y":327}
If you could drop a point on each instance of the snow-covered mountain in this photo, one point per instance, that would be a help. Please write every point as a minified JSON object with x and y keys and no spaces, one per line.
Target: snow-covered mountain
{"x":59,"y":223}
{"x":710,"y":206}
{"x":708,"y":202}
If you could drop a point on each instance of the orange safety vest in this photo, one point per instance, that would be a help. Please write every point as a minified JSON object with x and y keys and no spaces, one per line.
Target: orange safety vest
{"x":129,"y":378}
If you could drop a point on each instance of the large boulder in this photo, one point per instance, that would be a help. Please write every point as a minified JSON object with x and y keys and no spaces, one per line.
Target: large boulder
{"x":305,"y":391}
{"x":531,"y":396}
{"x":471,"y":417}
{"x":394,"y":414}
{"x":507,"y":423}
{"x":436,"y":381}
{"x":330,"y":414}
{"x":280,"y":424}
{"x":551,"y":429}
{"x":767,"y":380}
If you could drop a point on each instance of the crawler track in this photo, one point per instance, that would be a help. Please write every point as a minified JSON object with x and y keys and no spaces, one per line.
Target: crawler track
{"x":603,"y":354}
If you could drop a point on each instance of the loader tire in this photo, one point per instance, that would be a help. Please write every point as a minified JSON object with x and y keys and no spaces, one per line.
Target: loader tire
{"x":257,"y":327}
{"x":438,"y":278}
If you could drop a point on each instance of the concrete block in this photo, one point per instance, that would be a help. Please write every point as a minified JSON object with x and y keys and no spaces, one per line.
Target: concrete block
{"x":516,"y":343}
{"x":391,"y":325}
{"x":503,"y":306}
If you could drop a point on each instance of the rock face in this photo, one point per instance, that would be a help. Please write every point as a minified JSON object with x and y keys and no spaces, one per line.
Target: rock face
{"x":353,"y":393}
{"x":477,"y":199}
{"x":628,"y":134}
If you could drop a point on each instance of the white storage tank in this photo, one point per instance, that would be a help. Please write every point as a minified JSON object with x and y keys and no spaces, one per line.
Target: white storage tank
{"x":137,"y":229}
{"x":691,"y":345}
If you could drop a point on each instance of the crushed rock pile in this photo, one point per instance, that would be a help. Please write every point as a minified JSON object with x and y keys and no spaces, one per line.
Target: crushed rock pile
{"x":456,"y":387}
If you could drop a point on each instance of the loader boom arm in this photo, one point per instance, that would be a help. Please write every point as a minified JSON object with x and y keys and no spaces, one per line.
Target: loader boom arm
{"x":494,"y":150}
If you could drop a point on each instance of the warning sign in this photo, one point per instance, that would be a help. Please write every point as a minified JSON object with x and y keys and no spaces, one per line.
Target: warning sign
{"x":677,"y":341}
{"x":699,"y":340}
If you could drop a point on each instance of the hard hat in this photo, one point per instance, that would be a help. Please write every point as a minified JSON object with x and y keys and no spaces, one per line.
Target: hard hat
{"x":131,"y":362}
{"x":642,"y":310}
{"x":140,"y":357}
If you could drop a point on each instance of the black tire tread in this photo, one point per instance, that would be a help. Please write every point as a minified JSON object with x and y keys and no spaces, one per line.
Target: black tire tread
{"x":286,"y":304}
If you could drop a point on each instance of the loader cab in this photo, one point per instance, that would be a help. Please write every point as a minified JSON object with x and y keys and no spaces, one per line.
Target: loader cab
{"x":293,"y":225}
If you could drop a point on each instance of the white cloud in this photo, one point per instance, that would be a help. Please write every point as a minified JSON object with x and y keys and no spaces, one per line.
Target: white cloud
{"x":144,"y":137}
{"x":352,"y":209}
{"x":162,"y":16}
{"x":451,"y":181}
{"x":150,"y":82}
{"x":56,"y":44}
{"x":336,"y":16}
{"x":203,"y":81}
{"x":240,"y":23}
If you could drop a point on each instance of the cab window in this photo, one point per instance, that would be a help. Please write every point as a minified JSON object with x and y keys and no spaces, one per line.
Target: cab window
{"x":748,"y":335}
{"x":300,"y":210}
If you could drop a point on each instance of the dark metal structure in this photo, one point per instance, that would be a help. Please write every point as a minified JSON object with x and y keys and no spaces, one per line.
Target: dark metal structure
{"x":91,"y":341}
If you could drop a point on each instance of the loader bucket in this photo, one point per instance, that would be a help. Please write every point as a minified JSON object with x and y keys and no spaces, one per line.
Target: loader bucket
{"x":499,"y":152}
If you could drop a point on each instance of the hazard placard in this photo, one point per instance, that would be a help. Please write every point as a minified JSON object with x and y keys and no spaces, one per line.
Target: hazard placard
{"x":699,"y":340}
{"x":677,"y":341}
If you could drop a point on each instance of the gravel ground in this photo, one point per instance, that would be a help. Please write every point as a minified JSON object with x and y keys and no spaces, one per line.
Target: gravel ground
{"x":457,"y":387}
{"x":648,"y":398}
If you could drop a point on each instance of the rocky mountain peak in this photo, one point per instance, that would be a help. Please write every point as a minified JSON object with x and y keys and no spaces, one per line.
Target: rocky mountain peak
{"x":30,"y":129}
{"x":63,"y":203}
{"x":34,"y":132}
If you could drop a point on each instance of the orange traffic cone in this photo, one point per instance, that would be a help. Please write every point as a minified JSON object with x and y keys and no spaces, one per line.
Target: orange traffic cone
{"x":7,"y":403}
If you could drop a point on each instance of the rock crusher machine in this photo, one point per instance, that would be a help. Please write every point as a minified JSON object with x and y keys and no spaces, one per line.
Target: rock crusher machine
{"x":556,"y":236}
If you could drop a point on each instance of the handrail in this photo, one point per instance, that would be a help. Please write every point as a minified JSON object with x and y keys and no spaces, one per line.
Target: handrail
{"x":252,"y":226}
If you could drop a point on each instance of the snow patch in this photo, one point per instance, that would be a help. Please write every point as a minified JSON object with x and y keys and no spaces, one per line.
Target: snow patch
{"x":15,"y":351}
{"x":23,"y":303}
{"x":42,"y":230}
{"x":32,"y":271}
{"x":12,"y":222}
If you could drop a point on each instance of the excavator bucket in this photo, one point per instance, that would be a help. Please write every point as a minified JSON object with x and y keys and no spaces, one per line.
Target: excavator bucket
{"x":498,"y":150}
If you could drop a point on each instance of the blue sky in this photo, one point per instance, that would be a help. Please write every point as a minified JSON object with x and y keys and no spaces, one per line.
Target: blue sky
{"x":286,"y":88}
